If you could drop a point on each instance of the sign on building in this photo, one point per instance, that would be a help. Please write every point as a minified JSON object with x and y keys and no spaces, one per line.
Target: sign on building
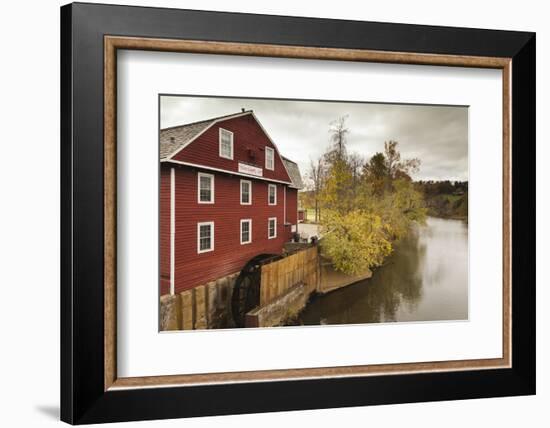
{"x":249,"y":169}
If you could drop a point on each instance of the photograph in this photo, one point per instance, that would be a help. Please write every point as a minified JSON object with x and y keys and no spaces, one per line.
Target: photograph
{"x":288,"y":212}
{"x":263,"y":213}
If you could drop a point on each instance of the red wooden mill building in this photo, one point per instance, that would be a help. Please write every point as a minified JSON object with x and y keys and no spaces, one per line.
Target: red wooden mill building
{"x":226,"y":195}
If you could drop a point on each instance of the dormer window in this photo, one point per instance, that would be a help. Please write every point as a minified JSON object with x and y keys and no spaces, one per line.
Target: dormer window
{"x":226,"y":144}
{"x":269,"y":158}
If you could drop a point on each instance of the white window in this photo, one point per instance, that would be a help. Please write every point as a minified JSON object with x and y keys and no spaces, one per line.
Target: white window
{"x":226,"y":144}
{"x":272,"y":227}
{"x":269,"y":158}
{"x":246,"y":192}
{"x":272,"y":194}
{"x":205,"y":237}
{"x":205,"y":188}
{"x":246,"y":231}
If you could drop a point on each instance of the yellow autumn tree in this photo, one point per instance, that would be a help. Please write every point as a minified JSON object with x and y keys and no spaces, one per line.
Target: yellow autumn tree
{"x":336,"y":194}
{"x":363,"y":218}
{"x":355,"y":241}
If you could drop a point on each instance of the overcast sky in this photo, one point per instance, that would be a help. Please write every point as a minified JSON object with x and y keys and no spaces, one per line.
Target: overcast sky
{"x":437,"y":135}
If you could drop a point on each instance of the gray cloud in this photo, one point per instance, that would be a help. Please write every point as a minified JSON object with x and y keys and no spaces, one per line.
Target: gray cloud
{"x":437,"y":135}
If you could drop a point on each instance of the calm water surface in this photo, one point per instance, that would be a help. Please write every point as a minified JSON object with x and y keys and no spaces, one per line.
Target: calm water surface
{"x":425,"y":279}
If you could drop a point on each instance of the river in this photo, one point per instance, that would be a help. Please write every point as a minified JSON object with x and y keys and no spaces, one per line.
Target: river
{"x":425,"y":279}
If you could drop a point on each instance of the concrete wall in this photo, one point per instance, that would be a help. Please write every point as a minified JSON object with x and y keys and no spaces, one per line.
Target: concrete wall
{"x":331,"y":279}
{"x":282,"y":310}
{"x":203,"y":307}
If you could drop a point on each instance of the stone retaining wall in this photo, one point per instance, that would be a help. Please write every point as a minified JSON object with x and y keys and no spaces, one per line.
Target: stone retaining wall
{"x":203,"y":307}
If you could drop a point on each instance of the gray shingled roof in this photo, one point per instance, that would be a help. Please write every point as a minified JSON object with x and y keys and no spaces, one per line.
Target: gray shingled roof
{"x":172,"y":139}
{"x":294,"y":172}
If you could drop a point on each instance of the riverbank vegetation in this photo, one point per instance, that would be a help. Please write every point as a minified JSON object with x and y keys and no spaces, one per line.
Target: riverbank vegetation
{"x":445,"y":199}
{"x":363,"y":205}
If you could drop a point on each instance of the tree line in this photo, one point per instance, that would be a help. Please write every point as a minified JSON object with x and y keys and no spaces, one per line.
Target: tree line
{"x":448,"y":199}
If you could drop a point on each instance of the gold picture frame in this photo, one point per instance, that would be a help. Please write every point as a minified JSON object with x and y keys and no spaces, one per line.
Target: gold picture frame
{"x":114,"y":43}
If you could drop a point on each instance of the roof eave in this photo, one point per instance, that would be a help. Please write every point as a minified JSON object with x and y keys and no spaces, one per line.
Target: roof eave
{"x":225,"y":171}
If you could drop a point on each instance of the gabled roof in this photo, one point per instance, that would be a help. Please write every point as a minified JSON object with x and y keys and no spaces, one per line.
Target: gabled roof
{"x":293,"y":172}
{"x":175,"y":138}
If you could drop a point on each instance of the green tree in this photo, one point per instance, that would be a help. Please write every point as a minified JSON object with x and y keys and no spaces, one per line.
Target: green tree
{"x":375,"y":171}
{"x":402,"y":207}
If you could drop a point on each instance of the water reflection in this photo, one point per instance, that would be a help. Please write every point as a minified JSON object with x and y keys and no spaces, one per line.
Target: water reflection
{"x":425,"y":279}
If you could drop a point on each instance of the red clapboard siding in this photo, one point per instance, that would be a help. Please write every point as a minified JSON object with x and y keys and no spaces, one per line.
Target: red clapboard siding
{"x":248,"y":137}
{"x":291,"y":206}
{"x":164,"y":229}
{"x":229,"y":256}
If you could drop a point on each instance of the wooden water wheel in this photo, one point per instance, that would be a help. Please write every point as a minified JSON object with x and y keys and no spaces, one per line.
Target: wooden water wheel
{"x":246,"y":293}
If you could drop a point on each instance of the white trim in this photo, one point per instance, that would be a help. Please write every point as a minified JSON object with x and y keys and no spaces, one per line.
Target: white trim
{"x":210,"y":168}
{"x":205,"y":223}
{"x":249,"y":221}
{"x":249,"y":192}
{"x":272,"y":151}
{"x":221,"y":119}
{"x":268,"y":220}
{"x":212,"y":186}
{"x":220,"y":143}
{"x":172,"y":231}
{"x":284,"y":204}
{"x":269,"y":186}
{"x":297,"y":210}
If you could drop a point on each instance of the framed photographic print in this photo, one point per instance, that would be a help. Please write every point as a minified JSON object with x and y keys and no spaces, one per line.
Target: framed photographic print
{"x":274,"y":213}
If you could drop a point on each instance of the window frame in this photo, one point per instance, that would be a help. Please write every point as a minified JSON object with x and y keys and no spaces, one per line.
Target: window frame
{"x":212,"y":187}
{"x":270,"y":186}
{"x":272,"y":151}
{"x":249,"y":192}
{"x":274,"y":228}
{"x":205,"y":223}
{"x":220,"y":132}
{"x":249,"y":221}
